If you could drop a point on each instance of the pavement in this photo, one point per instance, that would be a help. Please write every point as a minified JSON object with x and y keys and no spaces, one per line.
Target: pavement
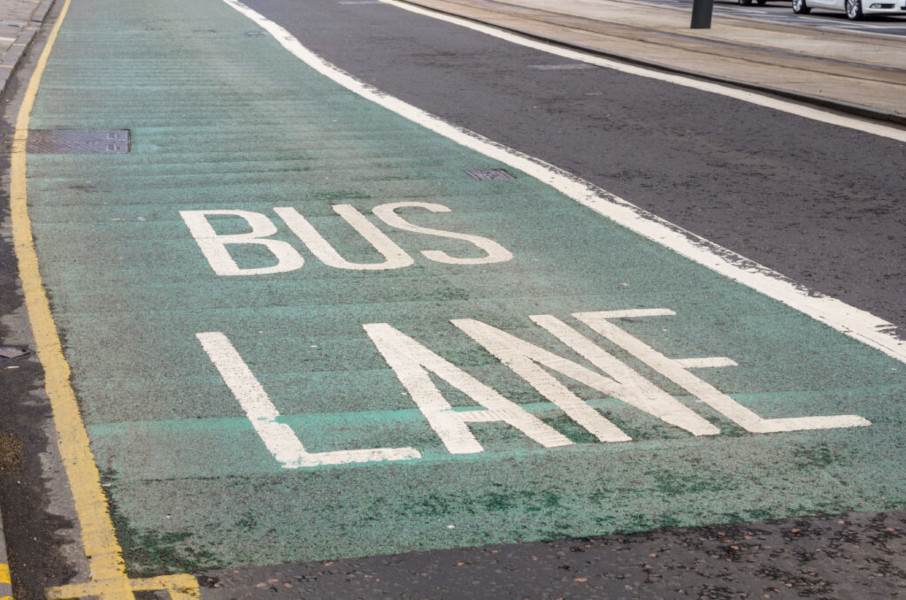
{"x":19,"y":20}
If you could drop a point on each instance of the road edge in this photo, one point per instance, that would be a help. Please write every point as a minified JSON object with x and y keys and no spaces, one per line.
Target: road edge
{"x":857,"y":110}
{"x":10,"y":64}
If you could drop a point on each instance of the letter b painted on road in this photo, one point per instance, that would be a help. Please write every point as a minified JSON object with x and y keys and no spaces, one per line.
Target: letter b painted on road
{"x":214,"y":245}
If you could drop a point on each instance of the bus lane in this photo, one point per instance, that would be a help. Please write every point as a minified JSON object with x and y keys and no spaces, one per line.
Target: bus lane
{"x":303,"y":326}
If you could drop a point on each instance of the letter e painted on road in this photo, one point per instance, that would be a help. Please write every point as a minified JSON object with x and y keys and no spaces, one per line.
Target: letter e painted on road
{"x":677,"y":370}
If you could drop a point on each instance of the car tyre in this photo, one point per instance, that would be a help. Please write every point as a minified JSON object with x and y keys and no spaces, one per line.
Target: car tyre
{"x":761,"y":2}
{"x":854,"y":9}
{"x":801,"y":8}
{"x":745,"y":2}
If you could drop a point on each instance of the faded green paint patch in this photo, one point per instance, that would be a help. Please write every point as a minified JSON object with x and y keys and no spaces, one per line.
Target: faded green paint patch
{"x":226,"y":122}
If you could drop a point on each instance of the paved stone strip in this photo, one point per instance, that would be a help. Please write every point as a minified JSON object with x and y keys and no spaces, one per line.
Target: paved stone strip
{"x":19,"y":21}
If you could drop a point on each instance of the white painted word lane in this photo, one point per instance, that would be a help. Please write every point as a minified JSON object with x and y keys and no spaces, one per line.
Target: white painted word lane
{"x":413,"y":364}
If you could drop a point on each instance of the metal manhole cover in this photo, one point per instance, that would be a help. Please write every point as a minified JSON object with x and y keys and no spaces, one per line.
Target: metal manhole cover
{"x":491,"y":175}
{"x":79,"y":141}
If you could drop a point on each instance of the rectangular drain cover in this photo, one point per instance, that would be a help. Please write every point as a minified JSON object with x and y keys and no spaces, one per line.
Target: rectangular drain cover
{"x":78,"y":141}
{"x":490,"y":174}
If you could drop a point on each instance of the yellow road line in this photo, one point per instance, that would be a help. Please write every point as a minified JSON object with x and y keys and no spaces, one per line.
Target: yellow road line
{"x":108,"y":571}
{"x":180,"y":587}
{"x":6,"y":581}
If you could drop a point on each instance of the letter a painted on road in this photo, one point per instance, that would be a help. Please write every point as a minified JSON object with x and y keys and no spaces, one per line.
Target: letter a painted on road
{"x":413,"y":364}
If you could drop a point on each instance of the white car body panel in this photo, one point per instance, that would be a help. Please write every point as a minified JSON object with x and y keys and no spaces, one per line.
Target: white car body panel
{"x":881,"y":7}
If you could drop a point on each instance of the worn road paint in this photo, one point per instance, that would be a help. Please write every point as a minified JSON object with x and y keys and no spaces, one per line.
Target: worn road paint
{"x":491,"y":372}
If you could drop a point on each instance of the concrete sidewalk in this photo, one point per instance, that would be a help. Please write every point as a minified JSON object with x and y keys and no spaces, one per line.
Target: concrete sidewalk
{"x":19,"y":20}
{"x":855,"y":72}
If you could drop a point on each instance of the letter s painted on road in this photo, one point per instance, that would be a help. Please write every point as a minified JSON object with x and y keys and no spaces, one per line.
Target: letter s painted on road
{"x":494,"y":252}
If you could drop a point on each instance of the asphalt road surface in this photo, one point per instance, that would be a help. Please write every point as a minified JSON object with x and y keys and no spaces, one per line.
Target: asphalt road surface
{"x":321,"y":351}
{"x":809,"y":200}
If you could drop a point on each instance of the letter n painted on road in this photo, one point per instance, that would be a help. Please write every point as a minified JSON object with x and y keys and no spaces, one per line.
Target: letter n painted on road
{"x":527,"y":360}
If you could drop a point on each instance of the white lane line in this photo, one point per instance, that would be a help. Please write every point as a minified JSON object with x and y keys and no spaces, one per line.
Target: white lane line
{"x":714,"y":88}
{"x":852,"y":321}
{"x":567,"y":67}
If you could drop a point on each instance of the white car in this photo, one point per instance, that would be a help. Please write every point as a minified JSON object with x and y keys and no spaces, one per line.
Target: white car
{"x":854,"y":9}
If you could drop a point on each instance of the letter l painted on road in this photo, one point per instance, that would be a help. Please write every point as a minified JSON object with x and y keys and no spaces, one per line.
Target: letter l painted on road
{"x":278,"y":437}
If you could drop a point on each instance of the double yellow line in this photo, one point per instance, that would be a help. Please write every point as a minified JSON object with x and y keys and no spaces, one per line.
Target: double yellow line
{"x":108,"y":579}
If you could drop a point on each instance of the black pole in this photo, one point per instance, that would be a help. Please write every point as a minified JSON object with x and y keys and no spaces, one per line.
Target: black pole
{"x":701,"y":13}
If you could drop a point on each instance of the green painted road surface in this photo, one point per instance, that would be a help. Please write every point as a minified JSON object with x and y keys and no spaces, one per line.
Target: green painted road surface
{"x":368,"y":351}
